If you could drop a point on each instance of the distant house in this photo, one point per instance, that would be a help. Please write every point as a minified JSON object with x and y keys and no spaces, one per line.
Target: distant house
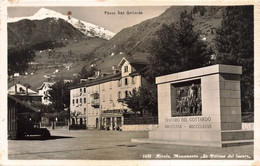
{"x":24,"y":93}
{"x":16,"y":74}
{"x":67,"y":81}
{"x":44,"y":91}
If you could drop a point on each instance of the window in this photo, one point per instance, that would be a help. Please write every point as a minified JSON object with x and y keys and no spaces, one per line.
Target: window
{"x":77,"y":101}
{"x":84,"y":90}
{"x":119,"y":95}
{"x":80,"y":90}
{"x":80,"y":100}
{"x":119,"y":83}
{"x":85,"y":100}
{"x":126,"y":81}
{"x":85,"y":110}
{"x":73,"y":101}
{"x":126,"y":69}
{"x":126,"y":93}
{"x":133,"y":80}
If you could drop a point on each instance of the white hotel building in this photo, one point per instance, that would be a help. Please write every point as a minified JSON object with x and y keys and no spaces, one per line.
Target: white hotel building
{"x":99,"y":103}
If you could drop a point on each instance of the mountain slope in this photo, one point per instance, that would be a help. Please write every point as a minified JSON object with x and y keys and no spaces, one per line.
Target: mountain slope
{"x":28,"y":32}
{"x":135,"y":41}
{"x":87,"y":29}
{"x":138,"y":38}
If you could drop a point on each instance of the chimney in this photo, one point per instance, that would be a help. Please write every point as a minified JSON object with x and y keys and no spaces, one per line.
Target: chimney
{"x":15,"y":89}
{"x":26,"y":89}
{"x":114,"y":67}
{"x":115,"y":72}
{"x":97,"y":73}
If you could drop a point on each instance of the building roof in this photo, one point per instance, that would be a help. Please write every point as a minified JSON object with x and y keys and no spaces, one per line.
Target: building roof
{"x":138,"y":72}
{"x":133,"y":61}
{"x":45,"y":83}
{"x":138,"y":64}
{"x":11,"y":90}
{"x":99,"y":80}
{"x":23,"y":103}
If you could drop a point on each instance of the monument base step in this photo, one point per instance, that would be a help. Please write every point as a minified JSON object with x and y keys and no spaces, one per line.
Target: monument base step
{"x":235,"y":135}
{"x":196,"y":143}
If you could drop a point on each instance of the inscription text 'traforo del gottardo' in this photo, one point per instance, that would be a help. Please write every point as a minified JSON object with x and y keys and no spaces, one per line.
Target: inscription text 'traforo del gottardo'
{"x":188,"y":119}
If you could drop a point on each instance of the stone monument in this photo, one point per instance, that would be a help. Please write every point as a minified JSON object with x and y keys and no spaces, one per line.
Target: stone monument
{"x":200,"y":107}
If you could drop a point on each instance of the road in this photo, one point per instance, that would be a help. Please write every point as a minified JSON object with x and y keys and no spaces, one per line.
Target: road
{"x":114,"y":145}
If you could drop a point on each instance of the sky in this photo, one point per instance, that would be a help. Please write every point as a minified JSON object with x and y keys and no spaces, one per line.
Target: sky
{"x":99,"y":15}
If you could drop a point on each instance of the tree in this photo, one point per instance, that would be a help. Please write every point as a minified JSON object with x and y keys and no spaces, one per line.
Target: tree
{"x":199,"y":9}
{"x":18,"y":59}
{"x":133,"y":101}
{"x":27,"y":85}
{"x":60,"y":95}
{"x":84,"y":73}
{"x":235,"y":46}
{"x":178,"y":48}
{"x":148,"y":100}
{"x":143,"y":99}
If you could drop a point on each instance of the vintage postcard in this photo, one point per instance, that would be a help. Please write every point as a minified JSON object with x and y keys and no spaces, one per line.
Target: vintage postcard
{"x":129,"y":83}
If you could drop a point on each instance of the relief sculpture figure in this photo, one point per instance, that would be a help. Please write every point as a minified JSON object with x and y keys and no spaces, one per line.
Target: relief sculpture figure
{"x":192,"y":99}
{"x":188,"y":100}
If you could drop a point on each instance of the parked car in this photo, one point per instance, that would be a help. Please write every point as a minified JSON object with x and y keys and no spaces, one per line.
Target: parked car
{"x":33,"y":129}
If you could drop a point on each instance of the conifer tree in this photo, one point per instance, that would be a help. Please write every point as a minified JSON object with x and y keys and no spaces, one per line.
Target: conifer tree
{"x":18,"y":59}
{"x":60,"y":95}
{"x":177,"y":48}
{"x":235,"y":46}
{"x":84,"y":73}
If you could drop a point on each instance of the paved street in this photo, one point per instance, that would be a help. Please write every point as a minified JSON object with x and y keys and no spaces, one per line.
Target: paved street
{"x":113,"y":145}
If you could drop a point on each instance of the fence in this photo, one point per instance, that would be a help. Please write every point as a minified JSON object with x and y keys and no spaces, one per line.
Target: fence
{"x":53,"y":125}
{"x":77,"y":127}
{"x":131,"y":119}
{"x":62,"y":123}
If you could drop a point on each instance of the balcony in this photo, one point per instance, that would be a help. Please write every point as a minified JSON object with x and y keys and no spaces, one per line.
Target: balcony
{"x":95,"y":95}
{"x":95,"y":103}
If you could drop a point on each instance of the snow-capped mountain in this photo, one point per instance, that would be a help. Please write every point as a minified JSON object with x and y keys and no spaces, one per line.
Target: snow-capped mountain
{"x":86,"y":28}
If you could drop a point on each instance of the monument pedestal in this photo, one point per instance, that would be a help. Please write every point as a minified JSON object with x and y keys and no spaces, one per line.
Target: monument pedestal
{"x":200,"y":107}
